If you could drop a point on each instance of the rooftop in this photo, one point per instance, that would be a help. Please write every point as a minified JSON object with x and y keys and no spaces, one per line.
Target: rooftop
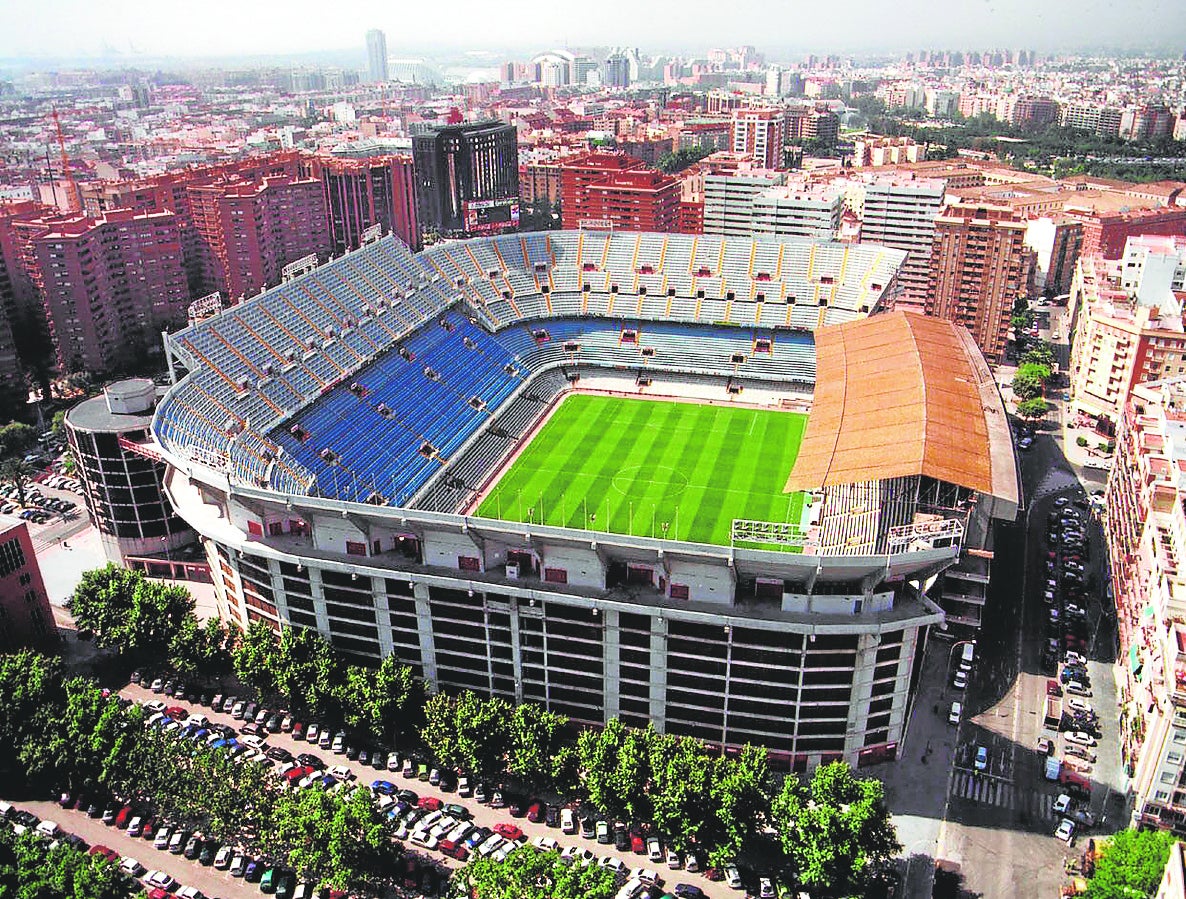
{"x":899,"y":395}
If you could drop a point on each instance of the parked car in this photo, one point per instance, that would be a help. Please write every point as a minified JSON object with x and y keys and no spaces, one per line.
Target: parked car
{"x":957,"y":709}
{"x":1065,"y":830}
{"x":981,"y":760}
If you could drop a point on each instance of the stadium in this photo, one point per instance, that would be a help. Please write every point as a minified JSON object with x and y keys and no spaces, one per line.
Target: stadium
{"x":676,"y":479}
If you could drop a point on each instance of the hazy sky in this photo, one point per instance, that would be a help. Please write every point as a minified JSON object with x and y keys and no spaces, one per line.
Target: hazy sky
{"x":63,"y":28}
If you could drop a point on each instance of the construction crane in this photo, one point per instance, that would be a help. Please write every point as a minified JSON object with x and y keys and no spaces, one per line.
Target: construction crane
{"x":73,"y":200}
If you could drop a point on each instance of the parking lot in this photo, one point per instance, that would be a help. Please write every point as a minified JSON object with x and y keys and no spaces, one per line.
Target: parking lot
{"x":430,"y":800}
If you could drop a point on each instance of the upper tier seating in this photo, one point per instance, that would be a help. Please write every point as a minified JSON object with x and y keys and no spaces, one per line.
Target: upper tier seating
{"x":363,"y":377}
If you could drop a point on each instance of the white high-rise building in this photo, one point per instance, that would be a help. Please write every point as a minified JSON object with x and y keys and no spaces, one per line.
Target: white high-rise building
{"x":376,"y":55}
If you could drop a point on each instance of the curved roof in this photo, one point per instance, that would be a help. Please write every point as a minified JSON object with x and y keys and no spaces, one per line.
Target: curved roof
{"x":899,"y":395}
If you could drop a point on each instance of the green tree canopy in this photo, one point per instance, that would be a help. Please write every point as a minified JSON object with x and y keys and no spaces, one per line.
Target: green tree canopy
{"x":468,"y":733}
{"x":201,"y":650}
{"x":1033,"y":409}
{"x":129,"y":613}
{"x":1131,"y":866}
{"x":679,"y":160}
{"x":1030,"y":381}
{"x":1040,"y":353}
{"x":31,"y":869}
{"x":386,"y":702}
{"x":529,"y":874}
{"x":834,"y":830}
{"x":16,"y":437}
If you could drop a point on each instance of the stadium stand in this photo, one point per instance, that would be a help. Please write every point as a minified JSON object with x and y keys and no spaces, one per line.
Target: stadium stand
{"x":367,"y":376}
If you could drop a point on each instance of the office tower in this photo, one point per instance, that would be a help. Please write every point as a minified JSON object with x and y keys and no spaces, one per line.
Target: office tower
{"x":376,"y":55}
{"x":467,"y":179}
{"x":359,"y":193}
{"x":979,"y":266}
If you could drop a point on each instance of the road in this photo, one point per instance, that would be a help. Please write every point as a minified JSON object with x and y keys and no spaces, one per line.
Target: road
{"x":999,"y":826}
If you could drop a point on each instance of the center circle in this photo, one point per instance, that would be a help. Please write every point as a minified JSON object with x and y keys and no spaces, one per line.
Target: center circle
{"x":626,"y":479}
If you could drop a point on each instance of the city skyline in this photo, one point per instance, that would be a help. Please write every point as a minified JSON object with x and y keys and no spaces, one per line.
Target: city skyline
{"x":134,"y":29}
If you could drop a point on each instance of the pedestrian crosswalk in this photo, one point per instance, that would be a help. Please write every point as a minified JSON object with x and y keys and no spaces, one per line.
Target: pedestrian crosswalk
{"x":1000,"y":793}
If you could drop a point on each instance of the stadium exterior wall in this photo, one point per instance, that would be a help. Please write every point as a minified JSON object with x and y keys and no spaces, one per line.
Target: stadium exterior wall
{"x":821,"y":671}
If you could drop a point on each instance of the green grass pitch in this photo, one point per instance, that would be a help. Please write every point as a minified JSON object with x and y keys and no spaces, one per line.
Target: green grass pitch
{"x":629,"y":466}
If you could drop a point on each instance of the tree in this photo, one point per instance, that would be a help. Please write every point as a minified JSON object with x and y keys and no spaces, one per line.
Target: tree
{"x":1033,"y":409}
{"x":468,"y":733}
{"x":1030,"y":381}
{"x":529,"y":874}
{"x":200,"y":650}
{"x":129,"y":613}
{"x":1132,"y":865}
{"x":386,"y":702}
{"x":308,"y":672}
{"x":253,"y":656}
{"x":58,"y":425}
{"x":537,"y":736}
{"x":614,"y":767}
{"x":670,"y":163}
{"x":1040,"y":353}
{"x":836,"y":830}
{"x":740,"y":791}
{"x":30,"y":868}
{"x":31,"y":701}
{"x":17,"y":472}
{"x":16,"y":438}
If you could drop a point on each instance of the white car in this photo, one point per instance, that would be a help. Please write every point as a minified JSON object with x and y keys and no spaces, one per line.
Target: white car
{"x":612,"y":863}
{"x":393,"y":762}
{"x":425,"y":839}
{"x":957,"y":710}
{"x":1073,"y":686}
{"x":155,"y":879}
{"x":1062,"y":804}
{"x":190,"y":893}
{"x":646,"y":875}
{"x":545,"y":844}
{"x":1083,"y":739}
{"x":568,"y":821}
{"x":960,"y":681}
{"x":981,"y":762}
{"x":673,"y":860}
{"x":1079,"y":705}
{"x":1065,"y":830}
{"x":464,"y":788}
{"x":654,"y":850}
{"x":131,"y":867}
{"x":222,"y":860}
{"x":765,"y":888}
{"x":733,"y":877}
{"x":1074,"y":658}
{"x":341,"y":772}
{"x":487,"y":848}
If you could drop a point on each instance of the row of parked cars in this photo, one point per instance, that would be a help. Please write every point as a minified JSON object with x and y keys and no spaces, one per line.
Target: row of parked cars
{"x":157,"y":884}
{"x":426,"y":822}
{"x":37,"y":507}
{"x":1065,"y":588}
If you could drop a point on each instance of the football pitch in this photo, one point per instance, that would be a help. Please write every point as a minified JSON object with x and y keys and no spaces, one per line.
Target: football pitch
{"x":653,"y":468}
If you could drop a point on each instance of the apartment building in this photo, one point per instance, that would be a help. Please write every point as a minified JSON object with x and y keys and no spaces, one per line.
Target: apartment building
{"x":979,"y":265}
{"x":900,"y":212}
{"x":758,"y":134}
{"x":26,"y":619}
{"x":1146,"y":533}
{"x":1123,"y":335}
{"x":252,"y":229}
{"x":110,"y":285}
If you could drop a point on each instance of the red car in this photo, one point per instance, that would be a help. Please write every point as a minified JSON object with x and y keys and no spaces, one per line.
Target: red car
{"x":110,"y":854}
{"x":430,"y":803}
{"x":637,"y":844}
{"x":454,"y":850}
{"x":535,"y":813}
{"x":177,"y":713}
{"x":158,"y":893}
{"x":508,"y":831}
